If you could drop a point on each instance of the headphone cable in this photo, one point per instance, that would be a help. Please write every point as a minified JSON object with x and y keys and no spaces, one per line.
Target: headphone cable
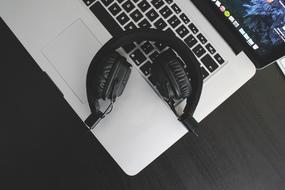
{"x":110,"y":106}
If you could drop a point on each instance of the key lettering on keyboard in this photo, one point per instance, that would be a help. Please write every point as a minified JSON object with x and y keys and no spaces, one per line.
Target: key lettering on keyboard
{"x":210,"y":48}
{"x":199,"y":50}
{"x":147,"y":47}
{"x":160,"y":24}
{"x":219,"y":59}
{"x":136,"y":15}
{"x":128,"y":6}
{"x":201,"y":38}
{"x":182,"y":31}
{"x":123,"y":18}
{"x":190,"y":41}
{"x":169,"y":1}
{"x":165,"y":12}
{"x":175,"y":8}
{"x":115,"y":9}
{"x":130,"y":26}
{"x":174,"y":21}
{"x":160,"y":46}
{"x":209,"y":62}
{"x":184,"y":18}
{"x":157,"y":3}
{"x":193,"y":28}
{"x":152,"y":15}
{"x":144,"y":24}
{"x":138,"y":57}
{"x":144,"y":5}
{"x":146,"y":68}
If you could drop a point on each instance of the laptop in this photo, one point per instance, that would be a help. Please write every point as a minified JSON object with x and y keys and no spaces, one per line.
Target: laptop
{"x":64,"y":35}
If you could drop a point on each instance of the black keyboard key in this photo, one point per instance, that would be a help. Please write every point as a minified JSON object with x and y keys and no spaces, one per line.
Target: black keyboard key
{"x":106,"y":19}
{"x":199,"y":50}
{"x":146,"y":68}
{"x":130,"y":26}
{"x":210,"y":48}
{"x":160,"y":24}
{"x":115,"y":9}
{"x":144,"y":24}
{"x":201,"y":38}
{"x":144,"y":5}
{"x":88,"y":2}
{"x":107,"y":2}
{"x":184,"y":18}
{"x":205,"y":73}
{"x":209,"y":62}
{"x":166,"y":12}
{"x":123,"y":18}
{"x":136,"y":15}
{"x":130,"y":47}
{"x":135,"y":1}
{"x":157,"y":3}
{"x":219,"y":59}
{"x":175,"y":8}
{"x":152,"y":15}
{"x":160,"y":46}
{"x":128,"y":6}
{"x":182,"y":31}
{"x":138,"y":57}
{"x":193,"y":28}
{"x":120,"y":1}
{"x":174,"y":21}
{"x":190,"y":41}
{"x":147,"y":47}
{"x":169,"y":1}
{"x":153,"y":56}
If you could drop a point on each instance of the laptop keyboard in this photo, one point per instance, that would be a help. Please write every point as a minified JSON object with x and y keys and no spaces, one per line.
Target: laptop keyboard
{"x":122,"y":15}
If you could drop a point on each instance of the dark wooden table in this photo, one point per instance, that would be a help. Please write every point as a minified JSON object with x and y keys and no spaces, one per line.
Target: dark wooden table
{"x":44,"y":145}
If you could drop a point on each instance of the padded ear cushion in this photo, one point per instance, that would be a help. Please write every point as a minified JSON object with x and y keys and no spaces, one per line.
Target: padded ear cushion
{"x":181,"y":78}
{"x":170,"y":76}
{"x":103,"y":73}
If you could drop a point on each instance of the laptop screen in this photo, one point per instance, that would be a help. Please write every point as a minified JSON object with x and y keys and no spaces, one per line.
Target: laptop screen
{"x":260,"y":22}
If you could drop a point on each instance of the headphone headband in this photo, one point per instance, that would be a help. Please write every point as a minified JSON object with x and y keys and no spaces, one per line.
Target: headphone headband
{"x":167,"y":39}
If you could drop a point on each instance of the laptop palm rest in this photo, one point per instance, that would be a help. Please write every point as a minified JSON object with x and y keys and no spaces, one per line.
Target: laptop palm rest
{"x":71,"y":53}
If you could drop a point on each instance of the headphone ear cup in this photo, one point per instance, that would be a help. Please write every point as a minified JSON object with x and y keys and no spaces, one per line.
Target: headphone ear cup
{"x":171,"y":77}
{"x":106,"y":76}
{"x":181,"y":79}
{"x":161,"y":81}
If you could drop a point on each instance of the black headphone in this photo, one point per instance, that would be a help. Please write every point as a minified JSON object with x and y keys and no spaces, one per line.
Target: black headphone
{"x":109,"y":72}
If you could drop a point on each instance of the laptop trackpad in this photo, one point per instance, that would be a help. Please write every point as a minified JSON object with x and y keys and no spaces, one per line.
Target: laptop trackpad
{"x":71,"y":53}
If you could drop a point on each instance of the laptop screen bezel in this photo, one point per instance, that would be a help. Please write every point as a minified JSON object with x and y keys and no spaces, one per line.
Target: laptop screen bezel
{"x":260,"y":61}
